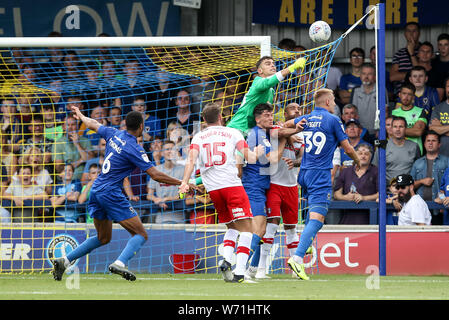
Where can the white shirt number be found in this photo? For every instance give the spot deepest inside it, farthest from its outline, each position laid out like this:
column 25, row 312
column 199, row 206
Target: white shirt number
column 107, row 164
column 317, row 139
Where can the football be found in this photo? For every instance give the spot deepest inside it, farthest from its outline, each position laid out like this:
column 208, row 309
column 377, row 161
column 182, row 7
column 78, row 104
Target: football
column 319, row 31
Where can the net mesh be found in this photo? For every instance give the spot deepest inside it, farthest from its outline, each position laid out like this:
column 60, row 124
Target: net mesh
column 49, row 160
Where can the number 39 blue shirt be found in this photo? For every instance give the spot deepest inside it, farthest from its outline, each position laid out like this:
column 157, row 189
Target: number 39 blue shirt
column 322, row 134
column 122, row 155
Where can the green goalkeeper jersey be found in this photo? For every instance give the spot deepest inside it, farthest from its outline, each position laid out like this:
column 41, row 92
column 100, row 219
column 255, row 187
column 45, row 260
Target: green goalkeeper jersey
column 412, row 116
column 261, row 91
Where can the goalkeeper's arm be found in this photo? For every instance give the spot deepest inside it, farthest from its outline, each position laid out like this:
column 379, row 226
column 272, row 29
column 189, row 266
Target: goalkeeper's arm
column 89, row 122
column 298, row 64
column 280, row 75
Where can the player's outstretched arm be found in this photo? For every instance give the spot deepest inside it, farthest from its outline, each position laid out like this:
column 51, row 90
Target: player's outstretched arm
column 299, row 126
column 252, row 156
column 298, row 64
column 162, row 177
column 90, row 123
column 188, row 170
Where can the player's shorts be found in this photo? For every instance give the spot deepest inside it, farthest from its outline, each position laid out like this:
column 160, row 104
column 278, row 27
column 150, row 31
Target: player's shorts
column 231, row 204
column 110, row 206
column 283, row 201
column 316, row 186
column 257, row 199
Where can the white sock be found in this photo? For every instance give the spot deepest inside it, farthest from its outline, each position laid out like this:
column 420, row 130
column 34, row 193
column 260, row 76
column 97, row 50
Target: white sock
column 243, row 252
column 229, row 240
column 291, row 240
column 119, row 263
column 66, row 262
column 298, row 259
column 268, row 239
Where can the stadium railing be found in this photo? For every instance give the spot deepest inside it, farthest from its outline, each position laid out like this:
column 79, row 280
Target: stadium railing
column 372, row 206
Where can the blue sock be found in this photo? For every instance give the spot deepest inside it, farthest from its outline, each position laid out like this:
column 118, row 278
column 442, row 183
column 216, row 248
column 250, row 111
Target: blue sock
column 85, row 247
column 256, row 257
column 254, row 245
column 131, row 248
column 307, row 236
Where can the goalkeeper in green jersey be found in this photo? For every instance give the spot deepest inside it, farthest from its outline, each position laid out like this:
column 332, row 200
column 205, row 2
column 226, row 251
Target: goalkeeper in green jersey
column 261, row 91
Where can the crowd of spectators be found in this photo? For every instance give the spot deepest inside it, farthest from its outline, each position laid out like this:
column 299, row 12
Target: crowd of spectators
column 47, row 156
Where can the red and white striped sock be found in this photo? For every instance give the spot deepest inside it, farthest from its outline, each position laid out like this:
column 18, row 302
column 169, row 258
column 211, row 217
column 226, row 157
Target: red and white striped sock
column 243, row 248
column 292, row 240
column 268, row 240
column 229, row 240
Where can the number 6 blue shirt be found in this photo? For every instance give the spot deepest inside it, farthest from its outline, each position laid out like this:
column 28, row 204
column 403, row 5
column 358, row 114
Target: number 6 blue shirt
column 122, row 155
column 322, row 134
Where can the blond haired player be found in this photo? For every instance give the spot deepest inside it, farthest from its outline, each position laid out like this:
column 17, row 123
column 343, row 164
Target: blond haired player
column 215, row 148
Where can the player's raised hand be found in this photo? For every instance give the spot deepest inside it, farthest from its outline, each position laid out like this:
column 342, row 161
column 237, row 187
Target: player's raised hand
column 301, row 125
column 298, row 64
column 76, row 112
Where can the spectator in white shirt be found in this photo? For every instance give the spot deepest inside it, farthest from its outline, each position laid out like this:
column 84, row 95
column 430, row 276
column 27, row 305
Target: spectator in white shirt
column 414, row 209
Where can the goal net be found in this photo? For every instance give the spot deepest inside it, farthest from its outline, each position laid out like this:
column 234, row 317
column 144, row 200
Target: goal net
column 49, row 160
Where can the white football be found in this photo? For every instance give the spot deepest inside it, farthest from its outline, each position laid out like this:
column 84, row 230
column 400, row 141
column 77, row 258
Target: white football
column 319, row 31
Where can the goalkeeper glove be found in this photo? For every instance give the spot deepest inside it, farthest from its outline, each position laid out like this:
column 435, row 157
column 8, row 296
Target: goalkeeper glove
column 299, row 64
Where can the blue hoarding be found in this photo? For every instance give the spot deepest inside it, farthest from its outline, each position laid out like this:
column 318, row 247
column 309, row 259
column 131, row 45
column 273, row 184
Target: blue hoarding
column 342, row 14
column 82, row 18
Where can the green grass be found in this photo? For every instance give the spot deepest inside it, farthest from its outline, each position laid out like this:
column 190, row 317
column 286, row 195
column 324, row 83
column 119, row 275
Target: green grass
column 212, row 287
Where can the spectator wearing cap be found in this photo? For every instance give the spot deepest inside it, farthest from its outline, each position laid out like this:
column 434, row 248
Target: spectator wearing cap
column 414, row 210
column 400, row 153
column 358, row 184
column 351, row 111
column 353, row 130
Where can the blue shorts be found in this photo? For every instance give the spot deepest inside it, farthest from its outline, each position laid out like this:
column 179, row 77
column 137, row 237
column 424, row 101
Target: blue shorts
column 110, row 206
column 257, row 200
column 316, row 186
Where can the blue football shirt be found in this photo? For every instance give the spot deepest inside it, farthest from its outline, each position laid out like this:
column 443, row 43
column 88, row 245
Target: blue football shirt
column 444, row 186
column 122, row 155
column 349, row 82
column 322, row 134
column 257, row 174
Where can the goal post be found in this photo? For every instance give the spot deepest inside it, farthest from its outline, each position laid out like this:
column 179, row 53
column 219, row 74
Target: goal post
column 380, row 88
column 208, row 69
column 94, row 42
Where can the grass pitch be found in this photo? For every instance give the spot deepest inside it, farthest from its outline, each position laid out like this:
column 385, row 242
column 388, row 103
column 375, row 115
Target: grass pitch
column 199, row 287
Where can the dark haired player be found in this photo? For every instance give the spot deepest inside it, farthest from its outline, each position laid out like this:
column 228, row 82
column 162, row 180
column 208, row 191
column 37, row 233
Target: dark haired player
column 107, row 203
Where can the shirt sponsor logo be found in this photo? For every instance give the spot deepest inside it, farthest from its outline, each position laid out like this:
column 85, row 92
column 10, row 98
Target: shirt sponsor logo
column 145, row 157
column 266, row 143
